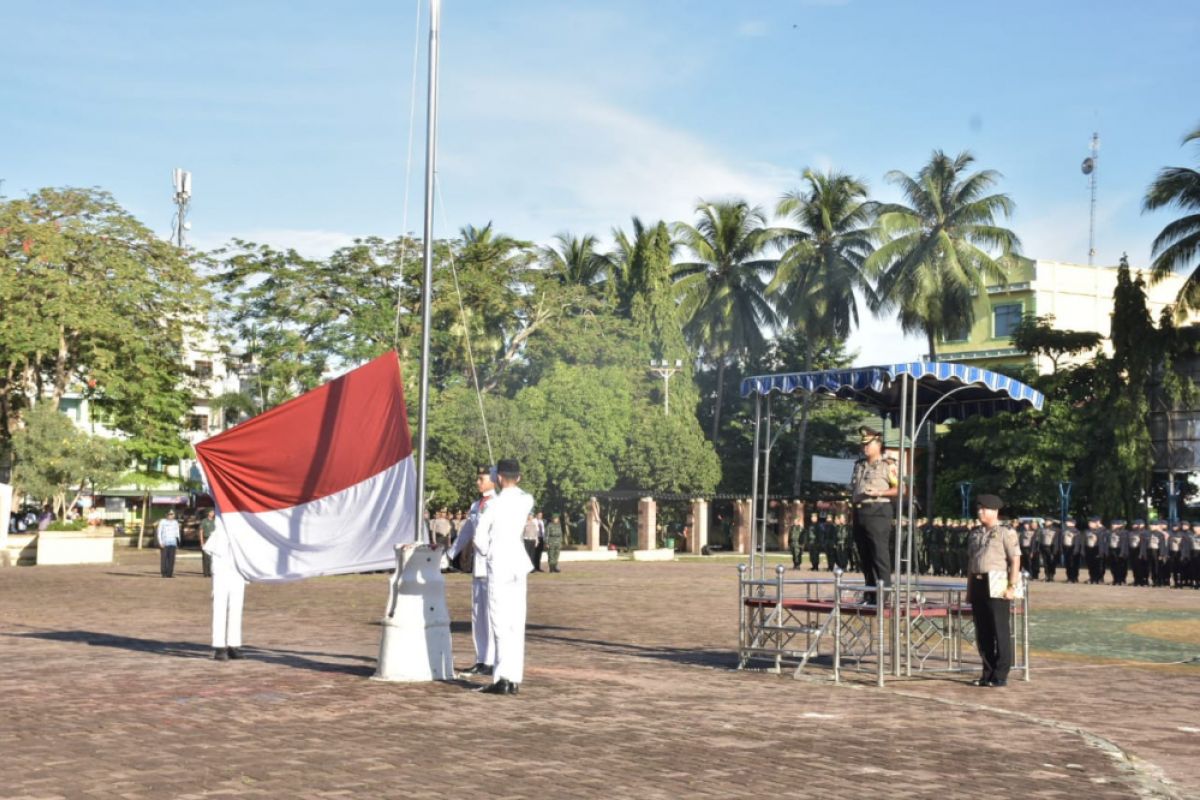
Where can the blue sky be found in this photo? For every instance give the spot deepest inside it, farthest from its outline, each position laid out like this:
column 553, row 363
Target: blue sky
column 294, row 116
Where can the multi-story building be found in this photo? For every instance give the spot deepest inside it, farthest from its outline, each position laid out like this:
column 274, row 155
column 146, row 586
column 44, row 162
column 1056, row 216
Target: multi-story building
column 1079, row 297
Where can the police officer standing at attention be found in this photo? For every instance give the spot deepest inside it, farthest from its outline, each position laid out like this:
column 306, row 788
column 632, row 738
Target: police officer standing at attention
column 1072, row 550
column 993, row 550
column 498, row 540
column 463, row 547
column 167, row 533
column 873, row 486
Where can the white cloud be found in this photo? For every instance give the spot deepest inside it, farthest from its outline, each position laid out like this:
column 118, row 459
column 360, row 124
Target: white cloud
column 308, row 243
column 752, row 28
column 554, row 159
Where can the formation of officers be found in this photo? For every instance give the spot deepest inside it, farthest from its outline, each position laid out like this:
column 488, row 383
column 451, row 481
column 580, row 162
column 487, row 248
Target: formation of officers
column 1120, row 553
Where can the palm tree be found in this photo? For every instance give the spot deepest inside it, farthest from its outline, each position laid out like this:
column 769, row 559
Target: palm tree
column 722, row 293
column 937, row 252
column 822, row 267
column 1178, row 245
column 575, row 260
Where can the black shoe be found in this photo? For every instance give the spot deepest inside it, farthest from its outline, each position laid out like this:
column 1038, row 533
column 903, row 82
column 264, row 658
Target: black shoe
column 999, row 683
column 502, row 686
column 477, row 669
column 235, row 653
column 220, row 654
column 982, row 682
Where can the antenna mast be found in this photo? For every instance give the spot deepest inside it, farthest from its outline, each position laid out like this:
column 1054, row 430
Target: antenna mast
column 1089, row 168
column 182, row 181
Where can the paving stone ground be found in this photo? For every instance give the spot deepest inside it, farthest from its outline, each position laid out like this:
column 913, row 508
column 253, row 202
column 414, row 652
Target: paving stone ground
column 108, row 691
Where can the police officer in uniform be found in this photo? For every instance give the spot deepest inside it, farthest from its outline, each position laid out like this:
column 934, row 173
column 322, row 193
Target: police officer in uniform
column 1117, row 552
column 1093, row 549
column 464, row 549
column 992, row 548
column 1175, row 549
column 1072, row 549
column 1156, row 548
column 1138, row 549
column 1048, row 544
column 873, row 486
column 1029, row 553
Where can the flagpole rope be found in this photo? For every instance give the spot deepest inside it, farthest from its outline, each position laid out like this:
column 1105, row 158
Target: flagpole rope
column 462, row 311
column 412, row 113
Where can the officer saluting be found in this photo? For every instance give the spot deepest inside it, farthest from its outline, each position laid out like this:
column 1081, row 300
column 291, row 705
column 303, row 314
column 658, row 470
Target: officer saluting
column 993, row 548
column 481, row 632
column 873, row 486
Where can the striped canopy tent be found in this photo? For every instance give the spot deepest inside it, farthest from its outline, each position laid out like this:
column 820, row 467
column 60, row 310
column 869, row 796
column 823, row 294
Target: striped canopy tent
column 948, row 391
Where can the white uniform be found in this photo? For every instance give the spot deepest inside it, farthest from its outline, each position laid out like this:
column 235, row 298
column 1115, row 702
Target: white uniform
column 485, row 651
column 228, row 592
column 498, row 540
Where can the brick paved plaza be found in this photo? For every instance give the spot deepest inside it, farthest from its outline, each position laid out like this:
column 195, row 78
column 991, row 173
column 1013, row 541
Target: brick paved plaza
column 108, row 691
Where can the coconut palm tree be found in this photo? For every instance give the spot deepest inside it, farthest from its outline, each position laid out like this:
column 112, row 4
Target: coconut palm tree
column 723, row 291
column 822, row 267
column 1177, row 247
column 939, row 250
column 574, row 259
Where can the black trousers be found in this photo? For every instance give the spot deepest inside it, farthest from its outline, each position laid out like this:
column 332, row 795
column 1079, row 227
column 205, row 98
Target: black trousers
column 1140, row 567
column 1095, row 564
column 166, row 561
column 872, row 533
column 1049, row 561
column 814, row 558
column 1119, row 567
column 538, row 549
column 206, row 564
column 1071, row 562
column 993, row 631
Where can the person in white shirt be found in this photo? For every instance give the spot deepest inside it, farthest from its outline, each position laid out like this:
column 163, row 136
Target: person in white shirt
column 167, row 533
column 498, row 540
column 485, row 652
column 228, row 596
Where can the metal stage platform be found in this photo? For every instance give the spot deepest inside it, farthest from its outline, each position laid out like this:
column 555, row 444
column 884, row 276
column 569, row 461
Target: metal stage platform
column 823, row 621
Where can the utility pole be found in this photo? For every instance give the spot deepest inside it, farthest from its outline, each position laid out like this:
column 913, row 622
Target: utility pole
column 664, row 370
column 182, row 181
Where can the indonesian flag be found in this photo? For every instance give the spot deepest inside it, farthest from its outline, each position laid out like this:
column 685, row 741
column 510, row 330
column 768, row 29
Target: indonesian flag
column 321, row 485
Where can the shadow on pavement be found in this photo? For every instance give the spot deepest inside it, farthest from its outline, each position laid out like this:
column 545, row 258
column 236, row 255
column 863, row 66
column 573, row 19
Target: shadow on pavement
column 298, row 659
column 714, row 659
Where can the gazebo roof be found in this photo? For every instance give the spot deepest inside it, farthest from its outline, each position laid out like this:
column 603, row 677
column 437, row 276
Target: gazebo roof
column 956, row 391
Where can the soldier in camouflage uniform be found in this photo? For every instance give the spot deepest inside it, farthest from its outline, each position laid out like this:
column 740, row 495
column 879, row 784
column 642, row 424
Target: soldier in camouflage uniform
column 796, row 542
column 554, row 542
column 814, row 545
column 828, row 537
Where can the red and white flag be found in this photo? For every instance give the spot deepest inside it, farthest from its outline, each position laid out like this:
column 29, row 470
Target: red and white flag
column 321, row 485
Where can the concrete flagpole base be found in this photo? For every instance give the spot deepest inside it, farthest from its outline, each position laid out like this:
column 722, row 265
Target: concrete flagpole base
column 416, row 629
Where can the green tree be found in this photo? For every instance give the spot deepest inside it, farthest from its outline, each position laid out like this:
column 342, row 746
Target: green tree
column 93, row 299
column 1177, row 246
column 939, row 250
column 575, row 259
column 54, row 458
column 668, row 454
column 723, row 291
column 1037, row 336
column 821, row 269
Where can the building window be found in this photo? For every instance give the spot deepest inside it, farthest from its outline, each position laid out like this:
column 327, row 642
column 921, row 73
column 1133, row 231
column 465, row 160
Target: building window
column 198, row 422
column 1005, row 319
column 960, row 335
column 202, row 370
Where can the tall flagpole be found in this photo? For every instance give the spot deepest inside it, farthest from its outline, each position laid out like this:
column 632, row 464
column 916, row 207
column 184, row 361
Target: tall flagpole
column 435, row 13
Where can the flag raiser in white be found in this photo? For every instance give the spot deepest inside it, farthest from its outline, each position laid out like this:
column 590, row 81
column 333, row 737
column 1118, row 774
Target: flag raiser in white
column 354, row 530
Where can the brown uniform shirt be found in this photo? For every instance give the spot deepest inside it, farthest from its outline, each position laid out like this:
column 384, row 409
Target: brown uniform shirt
column 991, row 549
column 877, row 477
